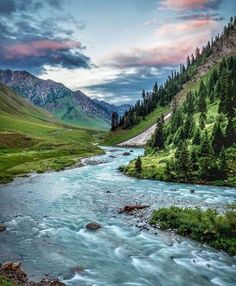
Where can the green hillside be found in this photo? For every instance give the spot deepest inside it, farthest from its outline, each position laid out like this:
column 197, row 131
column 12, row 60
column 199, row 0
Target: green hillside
column 33, row 140
column 198, row 144
column 174, row 90
column 113, row 138
column 72, row 114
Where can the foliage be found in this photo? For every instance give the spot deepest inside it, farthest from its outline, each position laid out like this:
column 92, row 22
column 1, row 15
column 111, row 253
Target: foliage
column 217, row 230
column 200, row 150
column 163, row 94
column 5, row 281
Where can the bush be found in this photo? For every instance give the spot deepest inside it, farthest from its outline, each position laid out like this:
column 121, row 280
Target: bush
column 217, row 230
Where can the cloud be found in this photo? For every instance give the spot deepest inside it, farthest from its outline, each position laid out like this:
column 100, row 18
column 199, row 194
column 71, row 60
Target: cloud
column 205, row 16
column 128, row 85
column 9, row 7
column 190, row 4
column 36, row 54
column 187, row 27
column 29, row 42
column 38, row 48
column 172, row 43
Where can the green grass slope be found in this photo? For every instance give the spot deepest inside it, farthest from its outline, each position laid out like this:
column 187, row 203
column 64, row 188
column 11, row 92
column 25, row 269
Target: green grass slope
column 154, row 163
column 32, row 140
column 73, row 115
column 121, row 135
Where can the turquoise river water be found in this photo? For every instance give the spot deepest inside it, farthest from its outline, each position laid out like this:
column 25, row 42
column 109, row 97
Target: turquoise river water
column 46, row 215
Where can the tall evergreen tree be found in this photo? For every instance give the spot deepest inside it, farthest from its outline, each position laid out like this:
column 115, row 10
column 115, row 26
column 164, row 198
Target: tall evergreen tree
column 183, row 160
column 158, row 136
column 230, row 134
column 223, row 166
column 114, row 121
column 205, row 147
column 138, row 164
column 217, row 138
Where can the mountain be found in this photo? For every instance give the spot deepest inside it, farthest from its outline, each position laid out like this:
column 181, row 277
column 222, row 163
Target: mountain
column 72, row 107
column 32, row 139
column 144, row 114
column 196, row 142
column 120, row 109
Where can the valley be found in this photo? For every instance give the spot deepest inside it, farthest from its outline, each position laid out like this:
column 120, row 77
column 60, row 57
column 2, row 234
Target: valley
column 141, row 192
column 32, row 140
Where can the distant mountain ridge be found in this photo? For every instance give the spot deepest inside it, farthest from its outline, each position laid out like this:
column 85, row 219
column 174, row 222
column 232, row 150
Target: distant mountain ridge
column 73, row 107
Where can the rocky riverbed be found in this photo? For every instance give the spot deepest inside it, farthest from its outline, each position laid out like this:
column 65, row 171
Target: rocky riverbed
column 46, row 216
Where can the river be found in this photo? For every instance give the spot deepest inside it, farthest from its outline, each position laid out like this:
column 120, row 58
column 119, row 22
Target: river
column 46, row 215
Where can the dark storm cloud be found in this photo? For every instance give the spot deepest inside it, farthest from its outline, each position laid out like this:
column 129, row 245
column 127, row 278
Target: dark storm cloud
column 29, row 42
column 7, row 7
column 55, row 58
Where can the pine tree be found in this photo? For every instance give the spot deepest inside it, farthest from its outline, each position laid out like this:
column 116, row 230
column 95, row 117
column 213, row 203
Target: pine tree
column 230, row 134
column 190, row 103
column 217, row 138
column 155, row 88
column 183, row 160
column 230, row 99
column 194, row 160
column 158, row 136
column 202, row 121
column 188, row 61
column 205, row 147
column 138, row 164
column 189, row 126
column 114, row 121
column 197, row 137
column 223, row 166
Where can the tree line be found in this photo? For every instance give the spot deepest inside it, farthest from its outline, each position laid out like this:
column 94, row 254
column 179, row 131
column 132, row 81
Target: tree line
column 199, row 147
column 163, row 94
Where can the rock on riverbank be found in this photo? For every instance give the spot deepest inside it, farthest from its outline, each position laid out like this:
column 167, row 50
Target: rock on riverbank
column 13, row 271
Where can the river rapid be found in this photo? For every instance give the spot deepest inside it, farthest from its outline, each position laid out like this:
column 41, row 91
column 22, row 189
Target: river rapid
column 46, row 215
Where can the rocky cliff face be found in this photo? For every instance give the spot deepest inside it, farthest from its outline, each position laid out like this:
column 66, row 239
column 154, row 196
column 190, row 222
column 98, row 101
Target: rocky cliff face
column 74, row 107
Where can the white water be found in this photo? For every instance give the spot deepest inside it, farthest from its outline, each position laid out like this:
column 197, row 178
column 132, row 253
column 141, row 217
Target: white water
column 46, row 216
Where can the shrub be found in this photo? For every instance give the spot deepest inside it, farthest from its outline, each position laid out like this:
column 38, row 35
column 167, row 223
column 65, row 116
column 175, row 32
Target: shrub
column 217, row 230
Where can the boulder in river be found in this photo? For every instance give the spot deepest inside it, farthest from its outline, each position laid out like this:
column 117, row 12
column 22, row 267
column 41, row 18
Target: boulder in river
column 126, row 154
column 130, row 208
column 2, row 227
column 93, row 226
column 14, row 272
column 192, row 191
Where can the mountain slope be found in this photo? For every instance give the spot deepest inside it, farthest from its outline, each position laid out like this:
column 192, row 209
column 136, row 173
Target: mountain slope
column 33, row 140
column 198, row 143
column 72, row 107
column 120, row 109
column 223, row 46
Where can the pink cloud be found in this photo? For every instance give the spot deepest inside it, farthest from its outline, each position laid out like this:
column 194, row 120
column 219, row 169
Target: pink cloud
column 190, row 4
column 173, row 42
column 195, row 26
column 38, row 48
column 159, row 55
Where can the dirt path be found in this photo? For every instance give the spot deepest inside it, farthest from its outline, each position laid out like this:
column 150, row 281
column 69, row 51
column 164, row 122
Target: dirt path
column 141, row 139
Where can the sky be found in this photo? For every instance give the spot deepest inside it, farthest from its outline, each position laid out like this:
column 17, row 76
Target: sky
column 109, row 49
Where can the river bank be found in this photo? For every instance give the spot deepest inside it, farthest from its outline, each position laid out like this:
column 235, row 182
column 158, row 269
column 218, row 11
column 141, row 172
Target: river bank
column 46, row 217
